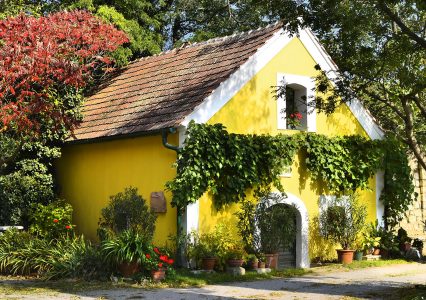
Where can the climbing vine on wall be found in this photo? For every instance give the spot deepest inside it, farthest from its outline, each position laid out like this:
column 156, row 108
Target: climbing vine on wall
column 228, row 165
column 345, row 163
column 398, row 192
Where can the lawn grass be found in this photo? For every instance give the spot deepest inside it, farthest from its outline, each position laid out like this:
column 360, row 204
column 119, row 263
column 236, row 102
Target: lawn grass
column 360, row 265
column 183, row 278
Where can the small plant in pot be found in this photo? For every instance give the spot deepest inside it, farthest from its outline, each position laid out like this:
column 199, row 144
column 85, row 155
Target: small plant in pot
column 341, row 222
column 371, row 243
column 235, row 256
column 262, row 260
column 252, row 261
column 203, row 250
column 359, row 252
column 157, row 262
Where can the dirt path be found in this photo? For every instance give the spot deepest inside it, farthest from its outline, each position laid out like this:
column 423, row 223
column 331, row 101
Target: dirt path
column 371, row 283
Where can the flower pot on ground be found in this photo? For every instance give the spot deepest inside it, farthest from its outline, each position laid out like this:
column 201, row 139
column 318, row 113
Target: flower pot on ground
column 376, row 251
column 125, row 250
column 372, row 238
column 158, row 275
column 235, row 256
column 345, row 256
column 208, row 263
column 129, row 269
column 261, row 265
column 358, row 255
column 252, row 262
column 341, row 222
column 271, row 260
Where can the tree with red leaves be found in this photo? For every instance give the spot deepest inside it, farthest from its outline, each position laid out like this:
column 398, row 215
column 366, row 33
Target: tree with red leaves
column 46, row 62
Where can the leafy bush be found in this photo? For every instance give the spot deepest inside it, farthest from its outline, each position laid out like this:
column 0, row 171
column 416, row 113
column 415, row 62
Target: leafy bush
column 127, row 210
column 343, row 220
column 51, row 221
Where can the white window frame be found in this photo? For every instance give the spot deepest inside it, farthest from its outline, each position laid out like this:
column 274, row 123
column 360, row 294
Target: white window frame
column 309, row 84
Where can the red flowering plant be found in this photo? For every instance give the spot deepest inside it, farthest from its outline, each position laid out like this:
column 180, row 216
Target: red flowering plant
column 157, row 258
column 294, row 120
column 52, row 221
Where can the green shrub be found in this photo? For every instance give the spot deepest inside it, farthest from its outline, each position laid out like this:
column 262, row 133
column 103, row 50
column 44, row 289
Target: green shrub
column 127, row 210
column 343, row 220
column 52, row 221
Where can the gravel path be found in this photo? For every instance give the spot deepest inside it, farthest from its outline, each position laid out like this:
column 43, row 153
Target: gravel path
column 370, row 283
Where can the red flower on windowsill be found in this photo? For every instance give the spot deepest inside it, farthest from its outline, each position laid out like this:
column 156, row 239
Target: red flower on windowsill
column 294, row 120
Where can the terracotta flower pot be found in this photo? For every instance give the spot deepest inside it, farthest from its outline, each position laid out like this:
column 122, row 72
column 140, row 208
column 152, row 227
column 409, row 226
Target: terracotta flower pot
column 345, row 256
column 253, row 264
column 261, row 265
column 376, row 251
column 207, row 263
column 234, row 263
column 128, row 269
column 271, row 260
column 158, row 275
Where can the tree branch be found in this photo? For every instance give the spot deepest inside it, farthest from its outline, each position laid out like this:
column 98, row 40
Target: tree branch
column 409, row 132
column 404, row 28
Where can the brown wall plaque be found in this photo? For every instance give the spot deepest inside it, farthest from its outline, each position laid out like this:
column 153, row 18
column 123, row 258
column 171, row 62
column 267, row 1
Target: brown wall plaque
column 158, row 202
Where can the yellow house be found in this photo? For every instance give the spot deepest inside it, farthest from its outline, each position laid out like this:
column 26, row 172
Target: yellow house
column 126, row 134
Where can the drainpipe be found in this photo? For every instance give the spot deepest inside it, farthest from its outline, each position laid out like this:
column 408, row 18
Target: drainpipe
column 180, row 255
column 164, row 134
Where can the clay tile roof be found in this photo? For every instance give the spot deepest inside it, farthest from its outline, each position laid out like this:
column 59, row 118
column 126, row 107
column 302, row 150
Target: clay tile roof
column 160, row 91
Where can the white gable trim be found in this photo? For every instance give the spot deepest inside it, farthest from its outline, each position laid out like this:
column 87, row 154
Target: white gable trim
column 323, row 59
column 227, row 89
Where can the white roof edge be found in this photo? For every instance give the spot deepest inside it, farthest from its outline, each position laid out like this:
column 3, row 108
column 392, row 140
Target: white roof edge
column 327, row 64
column 228, row 88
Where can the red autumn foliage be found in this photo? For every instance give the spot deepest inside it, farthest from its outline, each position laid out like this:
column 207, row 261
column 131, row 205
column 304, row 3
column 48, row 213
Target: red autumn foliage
column 42, row 58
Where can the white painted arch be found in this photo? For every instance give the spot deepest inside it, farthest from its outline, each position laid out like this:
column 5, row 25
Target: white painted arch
column 302, row 222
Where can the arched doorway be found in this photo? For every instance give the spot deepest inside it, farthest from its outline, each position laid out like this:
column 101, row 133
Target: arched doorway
column 302, row 225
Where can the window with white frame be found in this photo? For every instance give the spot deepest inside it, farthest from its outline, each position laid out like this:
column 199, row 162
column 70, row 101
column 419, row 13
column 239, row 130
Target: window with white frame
column 292, row 102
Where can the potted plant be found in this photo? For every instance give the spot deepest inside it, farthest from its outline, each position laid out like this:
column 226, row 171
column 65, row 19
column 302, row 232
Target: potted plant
column 371, row 243
column 235, row 256
column 252, row 261
column 203, row 249
column 157, row 262
column 262, row 261
column 358, row 250
column 341, row 222
column 125, row 250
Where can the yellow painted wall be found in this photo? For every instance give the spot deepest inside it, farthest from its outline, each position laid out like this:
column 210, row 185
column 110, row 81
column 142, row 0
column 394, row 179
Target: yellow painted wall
column 90, row 173
column 254, row 110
